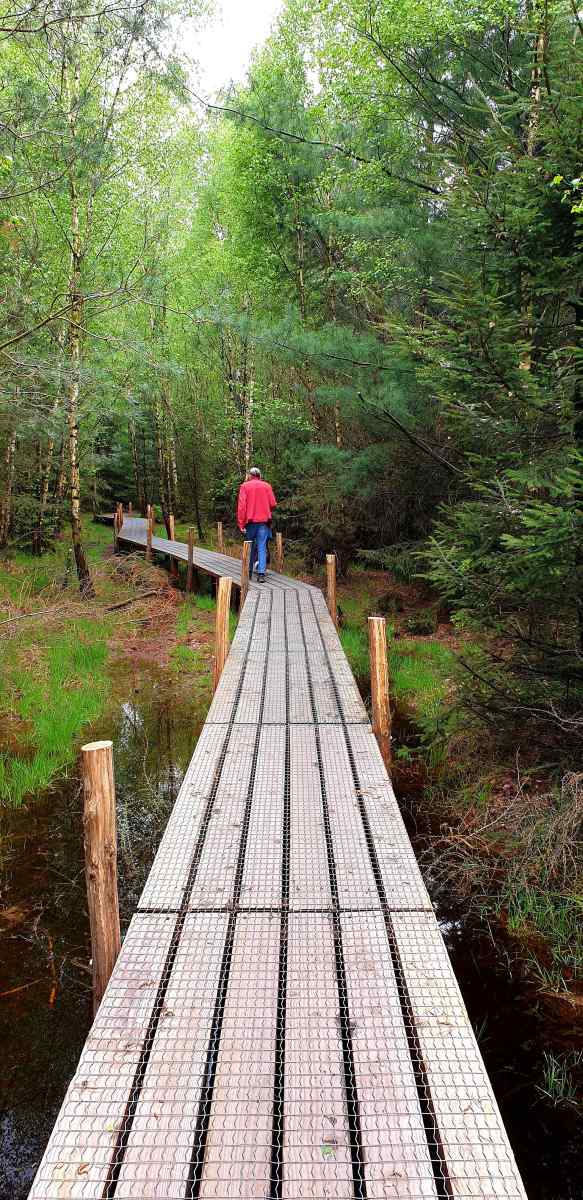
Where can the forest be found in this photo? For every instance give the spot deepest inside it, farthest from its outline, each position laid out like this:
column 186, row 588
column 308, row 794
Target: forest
column 362, row 270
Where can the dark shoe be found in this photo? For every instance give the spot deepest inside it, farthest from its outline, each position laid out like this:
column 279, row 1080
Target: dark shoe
column 261, row 578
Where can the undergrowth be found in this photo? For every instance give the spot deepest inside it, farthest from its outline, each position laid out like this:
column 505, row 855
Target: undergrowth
column 420, row 673
column 504, row 839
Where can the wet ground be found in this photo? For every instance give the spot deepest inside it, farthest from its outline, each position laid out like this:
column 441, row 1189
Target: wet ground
column 45, row 1001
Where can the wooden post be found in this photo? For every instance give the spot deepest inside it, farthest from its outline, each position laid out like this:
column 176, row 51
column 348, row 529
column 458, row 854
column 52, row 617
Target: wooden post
column 245, row 560
column 190, row 566
column 279, row 552
column 115, row 530
column 130, row 509
column 220, row 538
column 149, row 525
column 379, row 683
column 120, row 515
column 171, row 531
column 222, row 626
column 101, row 862
column 331, row 587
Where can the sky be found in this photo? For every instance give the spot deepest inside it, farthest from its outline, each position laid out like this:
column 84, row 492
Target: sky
column 224, row 47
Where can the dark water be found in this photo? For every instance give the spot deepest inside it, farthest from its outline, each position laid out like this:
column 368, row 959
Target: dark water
column 45, row 944
column 44, row 931
column 515, row 1025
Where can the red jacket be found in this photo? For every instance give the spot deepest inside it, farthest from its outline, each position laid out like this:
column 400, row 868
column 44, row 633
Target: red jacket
column 256, row 500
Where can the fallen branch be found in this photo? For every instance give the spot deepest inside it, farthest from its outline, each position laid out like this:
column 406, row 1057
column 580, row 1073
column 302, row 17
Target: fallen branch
column 132, row 600
column 22, row 988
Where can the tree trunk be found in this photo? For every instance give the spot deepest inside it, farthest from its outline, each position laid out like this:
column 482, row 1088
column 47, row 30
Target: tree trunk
column 196, row 499
column 138, row 478
column 61, row 479
column 74, row 347
column 532, row 137
column 6, row 499
column 145, row 475
column 160, row 459
column 249, row 402
column 45, row 480
column 173, row 480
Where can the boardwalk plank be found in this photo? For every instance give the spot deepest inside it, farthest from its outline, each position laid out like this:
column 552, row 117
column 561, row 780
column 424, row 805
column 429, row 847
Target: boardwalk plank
column 309, row 882
column 396, row 1155
column 164, row 887
column 356, row 881
column 400, row 874
column 213, row 886
column 261, row 882
column 238, row 1150
column 317, row 1158
column 160, row 1145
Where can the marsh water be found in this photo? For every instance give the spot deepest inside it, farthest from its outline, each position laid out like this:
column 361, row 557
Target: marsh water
column 45, row 1006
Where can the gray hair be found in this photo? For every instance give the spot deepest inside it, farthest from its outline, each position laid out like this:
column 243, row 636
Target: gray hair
column 255, row 471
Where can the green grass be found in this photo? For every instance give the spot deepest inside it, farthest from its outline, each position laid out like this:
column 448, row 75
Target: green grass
column 419, row 671
column 55, row 689
column 54, row 681
column 355, row 645
column 555, row 918
column 193, row 658
column 559, row 1085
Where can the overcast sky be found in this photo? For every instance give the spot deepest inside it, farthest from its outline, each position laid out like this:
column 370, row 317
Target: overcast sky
column 224, row 48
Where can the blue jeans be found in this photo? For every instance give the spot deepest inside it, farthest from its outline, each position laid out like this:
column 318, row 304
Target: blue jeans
column 259, row 534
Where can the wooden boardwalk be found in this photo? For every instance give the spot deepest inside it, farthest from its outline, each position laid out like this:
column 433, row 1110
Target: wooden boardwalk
column 283, row 1020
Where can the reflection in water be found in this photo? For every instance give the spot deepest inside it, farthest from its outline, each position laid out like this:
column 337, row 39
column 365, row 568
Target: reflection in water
column 45, row 1009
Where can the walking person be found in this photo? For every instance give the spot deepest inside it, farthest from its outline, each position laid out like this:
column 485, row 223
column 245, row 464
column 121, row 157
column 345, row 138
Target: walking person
column 254, row 508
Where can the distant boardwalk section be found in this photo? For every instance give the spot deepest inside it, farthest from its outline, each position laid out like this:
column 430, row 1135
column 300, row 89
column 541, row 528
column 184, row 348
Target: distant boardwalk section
column 283, row 1020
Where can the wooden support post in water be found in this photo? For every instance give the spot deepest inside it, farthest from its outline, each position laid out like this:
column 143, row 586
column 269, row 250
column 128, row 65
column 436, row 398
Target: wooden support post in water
column 331, row 587
column 190, row 566
column 149, row 525
column 222, row 626
column 101, row 862
column 279, row 552
column 130, row 509
column 379, row 682
column 245, row 560
column 220, row 538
